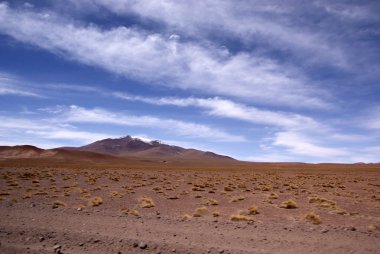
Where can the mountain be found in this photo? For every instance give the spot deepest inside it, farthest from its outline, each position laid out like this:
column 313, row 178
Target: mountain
column 32, row 152
column 120, row 150
column 129, row 146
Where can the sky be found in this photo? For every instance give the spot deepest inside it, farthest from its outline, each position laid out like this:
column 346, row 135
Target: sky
column 257, row 80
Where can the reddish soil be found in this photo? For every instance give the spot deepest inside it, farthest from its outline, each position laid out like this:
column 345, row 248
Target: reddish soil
column 39, row 205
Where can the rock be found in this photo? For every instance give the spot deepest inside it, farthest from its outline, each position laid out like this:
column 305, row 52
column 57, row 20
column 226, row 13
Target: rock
column 143, row 245
column 221, row 251
column 324, row 230
column 54, row 206
column 79, row 209
column 135, row 245
column 32, row 205
column 352, row 228
column 96, row 241
column 41, row 238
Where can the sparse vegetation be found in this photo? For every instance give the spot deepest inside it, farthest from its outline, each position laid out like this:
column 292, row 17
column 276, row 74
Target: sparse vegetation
column 240, row 217
column 313, row 218
column 201, row 211
column 289, row 204
column 146, row 202
column 96, row 201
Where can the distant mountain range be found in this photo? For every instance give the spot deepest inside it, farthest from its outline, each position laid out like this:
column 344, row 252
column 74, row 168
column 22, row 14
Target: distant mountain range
column 113, row 149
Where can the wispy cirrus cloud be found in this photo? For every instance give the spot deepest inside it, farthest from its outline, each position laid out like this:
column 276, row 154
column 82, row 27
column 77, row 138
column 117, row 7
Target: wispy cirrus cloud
column 44, row 132
column 75, row 114
column 306, row 30
column 61, row 123
column 164, row 60
column 229, row 109
column 9, row 85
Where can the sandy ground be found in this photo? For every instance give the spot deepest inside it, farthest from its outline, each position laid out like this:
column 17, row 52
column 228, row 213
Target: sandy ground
column 189, row 211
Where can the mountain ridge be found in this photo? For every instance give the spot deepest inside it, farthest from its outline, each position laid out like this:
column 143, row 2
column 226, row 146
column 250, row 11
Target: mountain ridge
column 113, row 149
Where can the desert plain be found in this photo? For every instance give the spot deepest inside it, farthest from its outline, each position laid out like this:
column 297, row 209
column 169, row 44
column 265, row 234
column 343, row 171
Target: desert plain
column 156, row 207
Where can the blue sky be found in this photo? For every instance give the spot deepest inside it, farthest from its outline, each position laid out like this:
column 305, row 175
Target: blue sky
column 257, row 80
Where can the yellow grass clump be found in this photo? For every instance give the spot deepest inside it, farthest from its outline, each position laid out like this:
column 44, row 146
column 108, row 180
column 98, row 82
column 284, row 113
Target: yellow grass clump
column 58, row 203
column 215, row 214
column 130, row 211
column 240, row 217
column 313, row 218
column 237, row 199
column 146, row 202
column 212, row 202
column 228, row 188
column 96, row 201
column 201, row 211
column 288, row 204
column 322, row 202
column 252, row 210
column 185, row 216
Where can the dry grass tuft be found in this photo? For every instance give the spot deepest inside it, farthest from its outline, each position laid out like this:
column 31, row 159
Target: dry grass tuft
column 146, row 202
column 322, row 202
column 313, row 218
column 58, row 203
column 96, row 201
column 237, row 199
column 201, row 211
column 185, row 216
column 240, row 217
column 288, row 204
column 253, row 210
column 212, row 202
column 130, row 211
column 215, row 214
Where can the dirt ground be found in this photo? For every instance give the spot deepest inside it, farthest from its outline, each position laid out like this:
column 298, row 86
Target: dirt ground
column 50, row 210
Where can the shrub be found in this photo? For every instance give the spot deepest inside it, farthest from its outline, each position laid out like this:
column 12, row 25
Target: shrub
column 96, row 201
column 313, row 218
column 252, row 210
column 289, row 204
column 58, row 203
column 201, row 211
column 146, row 202
column 240, row 217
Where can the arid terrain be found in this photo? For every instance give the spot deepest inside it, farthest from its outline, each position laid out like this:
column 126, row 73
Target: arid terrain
column 130, row 196
column 255, row 208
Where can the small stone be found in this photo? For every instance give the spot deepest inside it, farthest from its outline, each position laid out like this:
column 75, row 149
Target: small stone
column 143, row 245
column 54, row 206
column 221, row 251
column 324, row 230
column 96, row 241
column 352, row 228
column 41, row 238
column 32, row 205
column 135, row 245
column 57, row 246
column 79, row 209
column 81, row 244
column 174, row 250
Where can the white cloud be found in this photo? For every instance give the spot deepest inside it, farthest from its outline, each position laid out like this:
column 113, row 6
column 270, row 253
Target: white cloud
column 229, row 109
column 11, row 86
column 299, row 144
column 77, row 114
column 157, row 59
column 15, row 130
column 271, row 23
